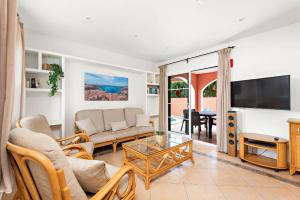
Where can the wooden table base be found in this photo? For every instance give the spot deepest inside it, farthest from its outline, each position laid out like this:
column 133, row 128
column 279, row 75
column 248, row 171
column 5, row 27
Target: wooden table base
column 150, row 166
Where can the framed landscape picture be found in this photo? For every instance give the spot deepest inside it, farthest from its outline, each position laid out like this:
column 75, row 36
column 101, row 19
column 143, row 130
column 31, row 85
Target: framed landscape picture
column 100, row 87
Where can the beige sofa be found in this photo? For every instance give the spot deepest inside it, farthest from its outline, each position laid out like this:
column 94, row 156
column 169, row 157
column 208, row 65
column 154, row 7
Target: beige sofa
column 102, row 119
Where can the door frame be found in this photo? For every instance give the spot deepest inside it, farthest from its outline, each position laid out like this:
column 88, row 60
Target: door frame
column 189, row 72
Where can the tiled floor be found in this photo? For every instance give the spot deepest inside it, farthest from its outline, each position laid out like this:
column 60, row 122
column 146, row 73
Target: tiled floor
column 211, row 178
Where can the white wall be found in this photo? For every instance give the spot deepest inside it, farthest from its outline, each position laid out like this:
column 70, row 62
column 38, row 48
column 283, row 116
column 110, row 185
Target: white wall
column 272, row 53
column 74, row 77
column 74, row 73
column 43, row 42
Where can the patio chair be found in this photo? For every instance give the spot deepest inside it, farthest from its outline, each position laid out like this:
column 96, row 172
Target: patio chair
column 198, row 121
column 42, row 171
column 77, row 145
column 186, row 119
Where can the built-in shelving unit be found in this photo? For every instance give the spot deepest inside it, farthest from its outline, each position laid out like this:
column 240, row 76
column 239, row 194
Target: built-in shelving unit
column 38, row 100
column 153, row 96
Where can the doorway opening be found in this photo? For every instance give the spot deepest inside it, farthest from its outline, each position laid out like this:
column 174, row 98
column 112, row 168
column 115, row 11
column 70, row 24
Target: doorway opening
column 204, row 105
column 178, row 103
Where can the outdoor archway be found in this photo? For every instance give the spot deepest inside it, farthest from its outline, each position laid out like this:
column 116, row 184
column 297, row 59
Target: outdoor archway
column 209, row 97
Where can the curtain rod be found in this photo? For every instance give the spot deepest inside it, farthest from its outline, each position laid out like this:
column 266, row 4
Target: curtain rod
column 189, row 58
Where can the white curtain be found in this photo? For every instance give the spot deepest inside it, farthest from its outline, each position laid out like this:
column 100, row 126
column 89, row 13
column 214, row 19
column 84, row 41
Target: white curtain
column 223, row 98
column 12, row 86
column 162, row 98
column 8, row 27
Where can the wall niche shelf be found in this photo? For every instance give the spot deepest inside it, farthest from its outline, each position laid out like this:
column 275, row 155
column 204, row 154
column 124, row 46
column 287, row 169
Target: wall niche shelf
column 38, row 100
column 152, row 87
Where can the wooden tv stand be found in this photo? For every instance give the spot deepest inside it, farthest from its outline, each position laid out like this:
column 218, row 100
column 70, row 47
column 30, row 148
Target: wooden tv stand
column 265, row 143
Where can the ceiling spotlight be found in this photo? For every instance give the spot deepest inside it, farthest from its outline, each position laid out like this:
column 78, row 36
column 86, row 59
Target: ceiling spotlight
column 241, row 19
column 88, row 18
column 200, row 2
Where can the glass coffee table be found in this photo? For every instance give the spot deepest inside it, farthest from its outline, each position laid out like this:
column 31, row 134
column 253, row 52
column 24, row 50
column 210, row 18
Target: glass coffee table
column 153, row 156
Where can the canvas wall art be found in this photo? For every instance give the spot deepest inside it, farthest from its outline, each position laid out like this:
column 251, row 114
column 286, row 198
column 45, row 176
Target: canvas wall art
column 100, row 87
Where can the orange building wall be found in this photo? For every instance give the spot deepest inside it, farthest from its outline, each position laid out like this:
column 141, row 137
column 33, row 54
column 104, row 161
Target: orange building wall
column 199, row 81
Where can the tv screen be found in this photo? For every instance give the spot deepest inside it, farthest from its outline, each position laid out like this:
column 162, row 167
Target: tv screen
column 268, row 93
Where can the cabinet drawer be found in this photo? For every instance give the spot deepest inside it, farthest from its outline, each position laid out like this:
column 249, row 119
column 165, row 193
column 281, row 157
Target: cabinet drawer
column 295, row 129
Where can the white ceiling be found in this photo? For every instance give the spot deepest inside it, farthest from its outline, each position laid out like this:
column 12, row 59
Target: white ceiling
column 155, row 30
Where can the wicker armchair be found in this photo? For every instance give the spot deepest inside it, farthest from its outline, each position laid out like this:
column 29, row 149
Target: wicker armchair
column 26, row 161
column 78, row 145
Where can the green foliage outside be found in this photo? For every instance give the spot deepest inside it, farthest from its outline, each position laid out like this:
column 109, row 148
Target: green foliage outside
column 210, row 90
column 182, row 92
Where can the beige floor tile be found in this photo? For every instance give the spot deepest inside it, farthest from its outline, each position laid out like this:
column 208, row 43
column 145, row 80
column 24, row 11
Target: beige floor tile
column 257, row 180
column 169, row 177
column 211, row 179
column 275, row 193
column 203, row 192
column 227, row 178
column 168, row 191
column 141, row 192
column 240, row 193
column 198, row 178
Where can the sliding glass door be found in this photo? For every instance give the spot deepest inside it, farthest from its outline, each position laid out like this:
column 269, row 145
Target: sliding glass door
column 178, row 103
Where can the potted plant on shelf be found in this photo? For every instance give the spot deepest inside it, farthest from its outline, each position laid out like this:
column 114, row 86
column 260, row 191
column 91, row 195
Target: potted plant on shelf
column 160, row 137
column 55, row 75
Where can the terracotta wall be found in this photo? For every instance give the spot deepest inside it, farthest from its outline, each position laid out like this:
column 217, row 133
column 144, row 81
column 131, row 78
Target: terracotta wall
column 178, row 105
column 210, row 103
column 199, row 81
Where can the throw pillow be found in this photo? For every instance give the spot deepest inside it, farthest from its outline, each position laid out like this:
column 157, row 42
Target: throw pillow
column 142, row 120
column 92, row 175
column 115, row 126
column 86, row 125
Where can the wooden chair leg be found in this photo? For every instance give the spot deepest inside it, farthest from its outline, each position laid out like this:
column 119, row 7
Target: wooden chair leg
column 115, row 147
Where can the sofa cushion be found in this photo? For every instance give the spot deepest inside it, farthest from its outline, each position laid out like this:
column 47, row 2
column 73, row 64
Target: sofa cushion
column 142, row 130
column 102, row 137
column 37, row 123
column 123, row 133
column 115, row 126
column 142, row 120
column 130, row 115
column 47, row 146
column 112, row 115
column 91, row 174
column 95, row 115
column 86, row 125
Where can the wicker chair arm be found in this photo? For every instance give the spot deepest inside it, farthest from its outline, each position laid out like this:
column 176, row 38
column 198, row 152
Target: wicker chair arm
column 112, row 188
column 82, row 153
column 75, row 138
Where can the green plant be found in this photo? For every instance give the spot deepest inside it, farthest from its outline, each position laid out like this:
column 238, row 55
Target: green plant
column 55, row 75
column 159, row 132
column 210, row 90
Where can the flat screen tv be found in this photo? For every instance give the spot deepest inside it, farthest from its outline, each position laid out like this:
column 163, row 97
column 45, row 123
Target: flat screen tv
column 267, row 93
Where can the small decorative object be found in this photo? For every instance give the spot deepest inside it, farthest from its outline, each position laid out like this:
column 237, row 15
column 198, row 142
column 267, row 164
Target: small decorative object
column 55, row 75
column 46, row 66
column 33, row 83
column 99, row 87
column 28, row 83
column 160, row 137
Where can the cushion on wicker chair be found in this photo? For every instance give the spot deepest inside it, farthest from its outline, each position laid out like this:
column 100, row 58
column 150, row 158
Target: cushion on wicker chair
column 47, row 146
column 92, row 175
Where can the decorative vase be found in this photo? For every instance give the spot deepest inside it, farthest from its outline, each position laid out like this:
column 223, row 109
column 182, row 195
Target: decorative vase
column 161, row 140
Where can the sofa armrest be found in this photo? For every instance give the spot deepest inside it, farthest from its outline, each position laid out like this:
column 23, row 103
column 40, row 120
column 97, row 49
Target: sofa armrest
column 112, row 189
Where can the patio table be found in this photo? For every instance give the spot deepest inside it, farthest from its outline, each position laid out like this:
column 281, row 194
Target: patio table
column 209, row 116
